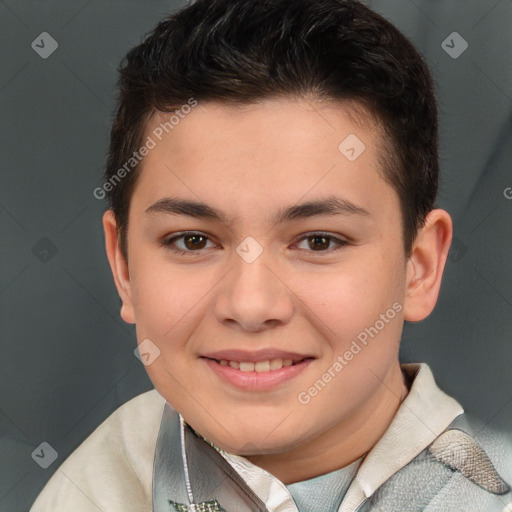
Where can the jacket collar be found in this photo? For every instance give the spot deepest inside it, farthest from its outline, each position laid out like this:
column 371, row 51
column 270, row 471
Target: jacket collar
column 240, row 485
column 210, row 476
column 425, row 413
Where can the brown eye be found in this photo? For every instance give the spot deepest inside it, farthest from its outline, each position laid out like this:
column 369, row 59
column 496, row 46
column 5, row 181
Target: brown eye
column 192, row 243
column 320, row 242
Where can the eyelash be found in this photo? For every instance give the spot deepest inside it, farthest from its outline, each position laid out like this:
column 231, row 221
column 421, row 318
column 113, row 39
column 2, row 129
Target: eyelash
column 168, row 243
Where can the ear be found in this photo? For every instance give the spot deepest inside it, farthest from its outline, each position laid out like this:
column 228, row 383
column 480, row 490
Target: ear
column 119, row 266
column 426, row 264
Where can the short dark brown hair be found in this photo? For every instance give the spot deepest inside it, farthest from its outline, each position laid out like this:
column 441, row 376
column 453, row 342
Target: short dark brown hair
column 242, row 51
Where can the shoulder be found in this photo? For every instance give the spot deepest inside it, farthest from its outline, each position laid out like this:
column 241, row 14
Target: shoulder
column 494, row 441
column 467, row 467
column 479, row 457
column 113, row 467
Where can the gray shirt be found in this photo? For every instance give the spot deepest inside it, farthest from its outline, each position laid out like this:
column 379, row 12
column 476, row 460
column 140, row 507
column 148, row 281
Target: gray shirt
column 324, row 493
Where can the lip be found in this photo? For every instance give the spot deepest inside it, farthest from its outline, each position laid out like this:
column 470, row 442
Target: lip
column 256, row 355
column 257, row 381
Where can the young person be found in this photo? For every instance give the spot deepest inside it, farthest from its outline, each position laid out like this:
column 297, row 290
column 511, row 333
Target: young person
column 272, row 178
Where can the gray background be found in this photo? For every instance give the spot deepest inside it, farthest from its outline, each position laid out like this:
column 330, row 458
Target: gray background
column 67, row 357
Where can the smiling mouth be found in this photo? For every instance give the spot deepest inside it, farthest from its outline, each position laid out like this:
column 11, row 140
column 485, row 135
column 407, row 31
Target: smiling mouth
column 268, row 365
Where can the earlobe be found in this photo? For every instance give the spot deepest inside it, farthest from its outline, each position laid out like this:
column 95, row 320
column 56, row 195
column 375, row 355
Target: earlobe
column 426, row 265
column 119, row 266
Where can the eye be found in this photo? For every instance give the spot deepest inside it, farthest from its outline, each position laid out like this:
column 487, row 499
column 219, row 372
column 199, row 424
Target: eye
column 321, row 241
column 193, row 243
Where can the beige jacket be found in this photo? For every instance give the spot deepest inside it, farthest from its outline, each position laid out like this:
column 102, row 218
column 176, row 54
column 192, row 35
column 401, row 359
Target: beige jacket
column 112, row 470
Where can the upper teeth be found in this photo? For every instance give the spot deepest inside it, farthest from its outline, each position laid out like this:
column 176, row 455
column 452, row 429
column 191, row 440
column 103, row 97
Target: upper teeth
column 260, row 366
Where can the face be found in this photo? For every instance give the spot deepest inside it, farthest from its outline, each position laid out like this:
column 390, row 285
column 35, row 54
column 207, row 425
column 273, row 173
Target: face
column 255, row 275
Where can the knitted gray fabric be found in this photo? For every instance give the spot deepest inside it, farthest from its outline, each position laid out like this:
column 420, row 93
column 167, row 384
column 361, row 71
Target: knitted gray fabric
column 454, row 475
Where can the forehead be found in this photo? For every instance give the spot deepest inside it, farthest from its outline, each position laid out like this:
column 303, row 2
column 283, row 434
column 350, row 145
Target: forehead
column 254, row 156
column 269, row 124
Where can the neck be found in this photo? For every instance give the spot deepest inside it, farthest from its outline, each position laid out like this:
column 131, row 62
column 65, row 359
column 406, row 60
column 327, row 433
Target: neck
column 345, row 442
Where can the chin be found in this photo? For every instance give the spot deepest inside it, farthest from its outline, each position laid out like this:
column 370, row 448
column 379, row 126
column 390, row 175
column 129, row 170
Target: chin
column 259, row 443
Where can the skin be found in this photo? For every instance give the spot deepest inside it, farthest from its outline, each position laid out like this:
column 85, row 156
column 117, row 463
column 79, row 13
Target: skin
column 249, row 162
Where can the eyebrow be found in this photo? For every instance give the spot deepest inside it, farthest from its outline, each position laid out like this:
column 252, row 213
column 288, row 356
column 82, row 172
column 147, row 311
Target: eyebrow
column 329, row 206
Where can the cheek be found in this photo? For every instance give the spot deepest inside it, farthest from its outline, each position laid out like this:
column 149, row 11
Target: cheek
column 163, row 294
column 167, row 305
column 351, row 297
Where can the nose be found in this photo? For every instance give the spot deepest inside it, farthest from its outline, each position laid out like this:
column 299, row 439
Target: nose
column 254, row 296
